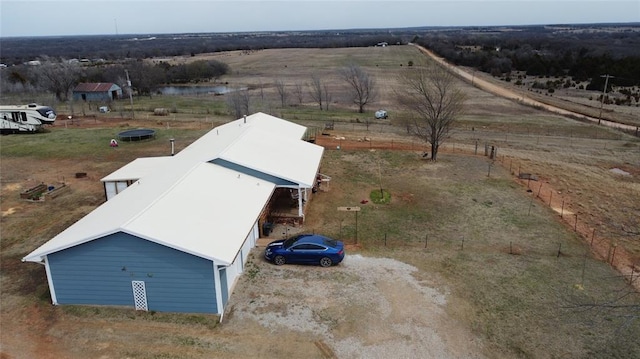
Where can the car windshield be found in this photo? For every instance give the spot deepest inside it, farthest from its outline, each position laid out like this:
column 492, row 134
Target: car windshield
column 291, row 241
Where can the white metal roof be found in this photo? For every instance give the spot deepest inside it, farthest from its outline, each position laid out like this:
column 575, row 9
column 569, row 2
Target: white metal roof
column 136, row 169
column 290, row 159
column 198, row 207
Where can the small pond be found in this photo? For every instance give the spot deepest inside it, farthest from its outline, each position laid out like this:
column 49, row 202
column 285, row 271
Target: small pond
column 194, row 90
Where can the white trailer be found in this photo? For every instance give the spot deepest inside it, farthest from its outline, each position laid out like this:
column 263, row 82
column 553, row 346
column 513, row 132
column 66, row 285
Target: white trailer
column 25, row 118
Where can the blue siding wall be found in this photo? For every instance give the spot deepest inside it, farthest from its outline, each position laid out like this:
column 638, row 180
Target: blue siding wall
column 100, row 273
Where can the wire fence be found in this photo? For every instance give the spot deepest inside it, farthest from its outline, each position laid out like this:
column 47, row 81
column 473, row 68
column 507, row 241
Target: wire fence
column 541, row 193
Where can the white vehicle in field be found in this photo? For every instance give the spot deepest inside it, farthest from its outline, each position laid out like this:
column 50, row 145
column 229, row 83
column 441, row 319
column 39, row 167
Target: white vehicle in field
column 25, row 118
column 381, row 114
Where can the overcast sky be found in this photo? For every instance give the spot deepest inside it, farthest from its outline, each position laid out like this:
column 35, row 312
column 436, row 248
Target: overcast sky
column 91, row 17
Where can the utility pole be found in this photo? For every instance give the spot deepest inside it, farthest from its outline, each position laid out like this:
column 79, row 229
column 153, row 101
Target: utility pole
column 130, row 93
column 604, row 91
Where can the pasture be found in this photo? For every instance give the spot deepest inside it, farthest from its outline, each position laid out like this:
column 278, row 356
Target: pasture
column 520, row 262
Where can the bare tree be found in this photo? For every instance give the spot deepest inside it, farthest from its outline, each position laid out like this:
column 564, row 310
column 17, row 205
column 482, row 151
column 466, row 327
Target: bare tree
column 298, row 93
column 57, row 77
column 614, row 314
column 327, row 97
column 144, row 78
column 361, row 85
column 432, row 95
column 261, row 86
column 317, row 90
column 282, row 92
column 238, row 102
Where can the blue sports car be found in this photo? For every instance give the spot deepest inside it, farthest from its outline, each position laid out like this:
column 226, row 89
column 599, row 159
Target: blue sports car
column 306, row 249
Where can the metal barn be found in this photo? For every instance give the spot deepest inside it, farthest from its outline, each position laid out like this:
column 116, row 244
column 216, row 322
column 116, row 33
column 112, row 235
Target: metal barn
column 97, row 92
column 178, row 237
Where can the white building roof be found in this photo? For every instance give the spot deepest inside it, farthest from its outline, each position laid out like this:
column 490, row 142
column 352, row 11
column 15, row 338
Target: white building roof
column 187, row 203
column 136, row 169
column 287, row 158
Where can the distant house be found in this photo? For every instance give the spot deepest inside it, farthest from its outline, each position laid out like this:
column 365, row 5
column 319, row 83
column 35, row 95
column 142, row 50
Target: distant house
column 97, row 91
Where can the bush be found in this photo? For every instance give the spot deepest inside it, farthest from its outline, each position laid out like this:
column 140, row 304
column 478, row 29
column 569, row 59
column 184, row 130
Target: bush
column 380, row 196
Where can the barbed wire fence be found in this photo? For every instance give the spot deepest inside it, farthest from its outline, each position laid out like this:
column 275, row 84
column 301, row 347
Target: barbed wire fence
column 541, row 193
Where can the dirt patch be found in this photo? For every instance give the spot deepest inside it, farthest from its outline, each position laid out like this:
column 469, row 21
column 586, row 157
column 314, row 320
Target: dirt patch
column 365, row 307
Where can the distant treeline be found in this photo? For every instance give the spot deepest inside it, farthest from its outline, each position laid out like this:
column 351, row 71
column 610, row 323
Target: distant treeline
column 117, row 47
column 582, row 54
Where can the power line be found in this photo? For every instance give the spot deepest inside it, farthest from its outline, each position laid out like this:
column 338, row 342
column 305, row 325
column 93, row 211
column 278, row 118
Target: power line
column 604, row 91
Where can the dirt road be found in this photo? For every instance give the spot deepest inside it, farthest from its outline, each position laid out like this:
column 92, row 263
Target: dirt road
column 513, row 95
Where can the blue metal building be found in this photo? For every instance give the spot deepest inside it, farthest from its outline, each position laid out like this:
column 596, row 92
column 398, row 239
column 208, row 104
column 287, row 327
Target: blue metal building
column 178, row 237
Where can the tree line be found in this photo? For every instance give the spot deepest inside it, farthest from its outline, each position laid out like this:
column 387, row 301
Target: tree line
column 17, row 51
column 60, row 76
column 579, row 52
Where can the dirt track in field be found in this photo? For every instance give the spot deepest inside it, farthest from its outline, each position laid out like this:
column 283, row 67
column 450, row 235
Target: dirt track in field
column 519, row 97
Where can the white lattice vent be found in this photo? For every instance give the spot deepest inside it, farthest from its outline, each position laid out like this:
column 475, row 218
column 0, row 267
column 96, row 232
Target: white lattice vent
column 139, row 295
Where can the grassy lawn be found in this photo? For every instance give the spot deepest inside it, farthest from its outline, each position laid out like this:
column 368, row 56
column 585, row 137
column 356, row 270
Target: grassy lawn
column 517, row 275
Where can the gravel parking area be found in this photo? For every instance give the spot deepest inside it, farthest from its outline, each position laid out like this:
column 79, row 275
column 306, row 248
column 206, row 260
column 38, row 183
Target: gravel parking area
column 364, row 307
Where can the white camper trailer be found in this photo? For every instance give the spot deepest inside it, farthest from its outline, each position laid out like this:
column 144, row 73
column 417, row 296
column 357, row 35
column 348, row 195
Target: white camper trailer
column 25, row 118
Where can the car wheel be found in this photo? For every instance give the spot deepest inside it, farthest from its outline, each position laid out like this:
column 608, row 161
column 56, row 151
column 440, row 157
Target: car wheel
column 279, row 260
column 326, row 262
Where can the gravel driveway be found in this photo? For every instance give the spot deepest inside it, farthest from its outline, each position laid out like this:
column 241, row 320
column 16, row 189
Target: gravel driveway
column 364, row 307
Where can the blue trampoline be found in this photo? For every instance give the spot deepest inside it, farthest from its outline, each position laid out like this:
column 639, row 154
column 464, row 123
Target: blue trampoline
column 137, row 135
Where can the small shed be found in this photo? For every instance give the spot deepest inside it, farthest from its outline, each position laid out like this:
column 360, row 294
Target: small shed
column 97, row 91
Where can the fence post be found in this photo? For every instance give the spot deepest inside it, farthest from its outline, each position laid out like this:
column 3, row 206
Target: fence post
column 426, row 240
column 613, row 255
column 593, row 236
